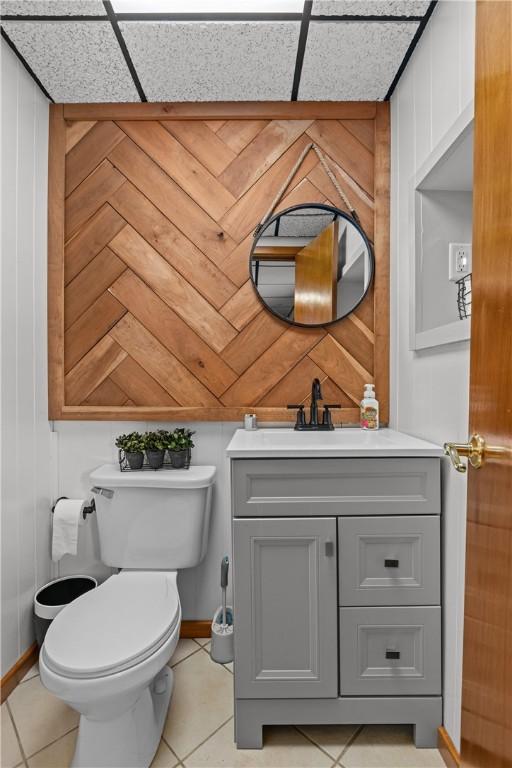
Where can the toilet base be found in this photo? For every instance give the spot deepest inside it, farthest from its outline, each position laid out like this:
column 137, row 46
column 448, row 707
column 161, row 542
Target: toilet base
column 131, row 739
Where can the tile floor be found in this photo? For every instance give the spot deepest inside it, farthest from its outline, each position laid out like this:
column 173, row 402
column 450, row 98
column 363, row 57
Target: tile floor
column 39, row 731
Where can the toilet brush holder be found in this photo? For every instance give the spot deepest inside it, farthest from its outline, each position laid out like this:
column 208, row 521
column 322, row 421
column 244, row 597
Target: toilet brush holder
column 222, row 641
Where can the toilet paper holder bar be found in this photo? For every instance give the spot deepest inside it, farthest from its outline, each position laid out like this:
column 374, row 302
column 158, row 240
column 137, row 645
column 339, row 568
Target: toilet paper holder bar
column 87, row 510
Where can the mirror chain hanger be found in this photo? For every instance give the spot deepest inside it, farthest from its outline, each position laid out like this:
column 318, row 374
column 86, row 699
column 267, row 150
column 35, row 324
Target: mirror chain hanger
column 290, row 176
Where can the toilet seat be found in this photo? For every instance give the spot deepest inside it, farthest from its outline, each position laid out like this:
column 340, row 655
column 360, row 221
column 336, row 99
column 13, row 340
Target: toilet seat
column 114, row 627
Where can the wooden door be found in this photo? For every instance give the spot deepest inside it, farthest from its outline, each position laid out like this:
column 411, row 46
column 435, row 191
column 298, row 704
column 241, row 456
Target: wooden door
column 316, row 278
column 286, row 639
column 487, row 666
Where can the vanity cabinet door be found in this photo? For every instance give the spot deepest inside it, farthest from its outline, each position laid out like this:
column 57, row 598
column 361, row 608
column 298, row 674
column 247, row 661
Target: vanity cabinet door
column 285, row 608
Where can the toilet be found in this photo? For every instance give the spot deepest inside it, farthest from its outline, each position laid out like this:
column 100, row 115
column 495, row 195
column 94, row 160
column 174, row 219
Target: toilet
column 106, row 653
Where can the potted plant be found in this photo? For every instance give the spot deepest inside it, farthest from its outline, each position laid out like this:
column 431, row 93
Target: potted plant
column 179, row 444
column 133, row 446
column 154, row 443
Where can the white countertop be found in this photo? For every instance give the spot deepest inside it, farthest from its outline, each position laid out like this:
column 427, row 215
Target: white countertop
column 344, row 442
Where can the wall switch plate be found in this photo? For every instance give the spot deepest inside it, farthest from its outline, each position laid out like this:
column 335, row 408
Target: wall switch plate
column 460, row 260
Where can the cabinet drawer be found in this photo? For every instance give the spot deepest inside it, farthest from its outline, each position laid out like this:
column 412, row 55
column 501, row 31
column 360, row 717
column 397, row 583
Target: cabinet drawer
column 390, row 651
column 389, row 560
column 296, row 487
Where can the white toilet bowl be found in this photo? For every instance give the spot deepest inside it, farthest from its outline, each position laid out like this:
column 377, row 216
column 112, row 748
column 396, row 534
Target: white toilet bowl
column 105, row 655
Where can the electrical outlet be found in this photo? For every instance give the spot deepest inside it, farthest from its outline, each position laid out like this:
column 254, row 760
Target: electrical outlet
column 459, row 262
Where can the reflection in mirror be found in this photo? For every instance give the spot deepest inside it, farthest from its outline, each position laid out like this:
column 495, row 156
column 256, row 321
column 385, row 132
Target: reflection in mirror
column 311, row 264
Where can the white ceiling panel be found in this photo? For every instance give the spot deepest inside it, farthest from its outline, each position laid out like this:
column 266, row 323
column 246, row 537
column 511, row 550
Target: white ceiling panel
column 214, row 61
column 75, row 60
column 353, row 61
column 53, row 8
column 370, row 7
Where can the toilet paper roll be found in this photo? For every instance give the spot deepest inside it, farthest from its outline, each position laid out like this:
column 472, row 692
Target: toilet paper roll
column 67, row 518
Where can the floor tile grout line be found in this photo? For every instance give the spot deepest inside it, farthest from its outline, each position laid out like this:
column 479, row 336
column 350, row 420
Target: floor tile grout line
column 172, row 666
column 349, row 743
column 16, row 732
column 51, row 743
column 186, row 757
column 162, row 737
column 312, row 741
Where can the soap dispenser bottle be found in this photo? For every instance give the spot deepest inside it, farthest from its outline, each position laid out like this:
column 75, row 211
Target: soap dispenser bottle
column 369, row 409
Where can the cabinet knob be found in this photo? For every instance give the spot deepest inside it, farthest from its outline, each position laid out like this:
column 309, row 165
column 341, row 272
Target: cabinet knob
column 391, row 563
column 329, row 548
column 391, row 654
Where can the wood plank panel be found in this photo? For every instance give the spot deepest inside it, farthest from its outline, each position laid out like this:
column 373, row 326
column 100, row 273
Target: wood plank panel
column 238, row 133
column 139, row 386
column 90, row 151
column 254, row 204
column 242, row 307
column 273, row 364
column 350, row 153
column 90, row 240
column 76, row 131
column 180, row 165
column 159, row 218
column 90, row 283
column 167, row 196
column 202, row 142
column 172, row 288
column 261, row 154
column 363, row 130
column 341, row 367
column 92, row 369
column 173, row 333
column 223, row 110
column 107, row 393
column 55, row 291
column 213, row 283
column 159, row 363
column 90, row 195
column 295, row 387
column 253, row 340
column 90, row 327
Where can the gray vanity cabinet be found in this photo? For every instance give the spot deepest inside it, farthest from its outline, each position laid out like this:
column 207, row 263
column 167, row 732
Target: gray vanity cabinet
column 286, row 624
column 337, row 597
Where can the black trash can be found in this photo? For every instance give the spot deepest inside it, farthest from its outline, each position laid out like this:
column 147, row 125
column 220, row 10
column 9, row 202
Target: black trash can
column 53, row 597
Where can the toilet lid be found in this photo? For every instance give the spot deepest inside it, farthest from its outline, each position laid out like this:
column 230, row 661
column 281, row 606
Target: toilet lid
column 113, row 627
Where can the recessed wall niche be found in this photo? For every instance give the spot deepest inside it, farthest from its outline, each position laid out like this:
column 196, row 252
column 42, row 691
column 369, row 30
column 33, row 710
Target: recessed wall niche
column 442, row 205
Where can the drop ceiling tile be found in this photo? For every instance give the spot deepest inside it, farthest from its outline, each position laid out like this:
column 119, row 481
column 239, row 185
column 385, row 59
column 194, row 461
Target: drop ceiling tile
column 353, row 60
column 75, row 60
column 370, row 7
column 214, row 61
column 53, row 8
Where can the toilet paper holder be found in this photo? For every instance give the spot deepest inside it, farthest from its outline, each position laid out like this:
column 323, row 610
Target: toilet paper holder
column 87, row 510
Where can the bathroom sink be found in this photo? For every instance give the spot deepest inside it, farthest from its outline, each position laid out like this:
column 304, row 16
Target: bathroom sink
column 345, row 442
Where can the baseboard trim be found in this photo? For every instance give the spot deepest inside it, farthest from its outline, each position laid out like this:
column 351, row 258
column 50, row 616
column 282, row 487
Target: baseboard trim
column 17, row 672
column 202, row 628
column 447, row 749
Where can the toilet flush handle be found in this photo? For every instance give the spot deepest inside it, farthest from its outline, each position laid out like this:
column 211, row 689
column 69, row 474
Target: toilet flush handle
column 107, row 492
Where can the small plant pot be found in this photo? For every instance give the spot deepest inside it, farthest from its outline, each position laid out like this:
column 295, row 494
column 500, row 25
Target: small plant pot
column 135, row 460
column 178, row 459
column 155, row 458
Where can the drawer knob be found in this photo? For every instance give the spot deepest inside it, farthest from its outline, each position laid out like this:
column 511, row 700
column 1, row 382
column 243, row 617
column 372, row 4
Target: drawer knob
column 391, row 563
column 329, row 548
column 390, row 654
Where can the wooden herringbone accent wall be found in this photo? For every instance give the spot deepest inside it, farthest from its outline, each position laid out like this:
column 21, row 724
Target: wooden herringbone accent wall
column 156, row 315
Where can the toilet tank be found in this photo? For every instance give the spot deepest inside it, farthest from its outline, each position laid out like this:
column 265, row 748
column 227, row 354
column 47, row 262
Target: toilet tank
column 153, row 519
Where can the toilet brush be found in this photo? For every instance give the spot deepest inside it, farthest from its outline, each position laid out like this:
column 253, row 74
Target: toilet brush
column 221, row 648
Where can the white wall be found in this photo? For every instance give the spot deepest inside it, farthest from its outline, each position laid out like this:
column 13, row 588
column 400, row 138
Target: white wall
column 25, row 441
column 83, row 445
column 429, row 389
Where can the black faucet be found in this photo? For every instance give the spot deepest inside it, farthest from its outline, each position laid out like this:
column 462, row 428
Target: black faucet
column 316, row 395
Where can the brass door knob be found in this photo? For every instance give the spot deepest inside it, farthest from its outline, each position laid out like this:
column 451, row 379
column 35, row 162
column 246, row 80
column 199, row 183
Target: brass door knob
column 476, row 451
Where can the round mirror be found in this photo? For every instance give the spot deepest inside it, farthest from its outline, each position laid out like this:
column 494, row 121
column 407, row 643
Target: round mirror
column 311, row 264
